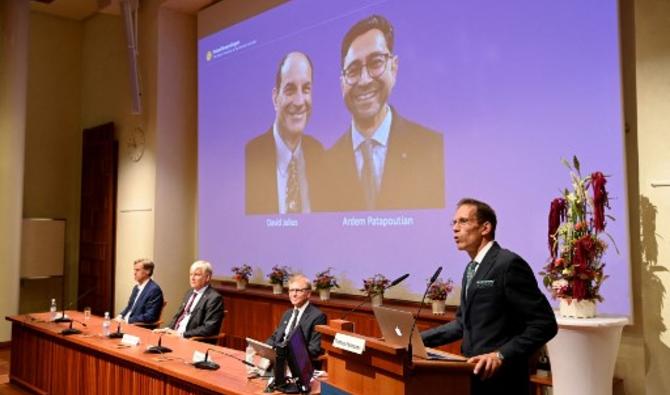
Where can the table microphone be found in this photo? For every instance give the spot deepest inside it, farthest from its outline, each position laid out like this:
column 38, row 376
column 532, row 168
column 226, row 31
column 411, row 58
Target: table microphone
column 71, row 330
column 118, row 334
column 211, row 365
column 393, row 283
column 411, row 332
column 63, row 317
column 158, row 348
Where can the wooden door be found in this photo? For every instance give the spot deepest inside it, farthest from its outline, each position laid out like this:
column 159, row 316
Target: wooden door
column 98, row 219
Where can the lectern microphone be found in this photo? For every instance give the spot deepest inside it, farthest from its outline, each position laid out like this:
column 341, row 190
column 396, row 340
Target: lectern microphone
column 411, row 332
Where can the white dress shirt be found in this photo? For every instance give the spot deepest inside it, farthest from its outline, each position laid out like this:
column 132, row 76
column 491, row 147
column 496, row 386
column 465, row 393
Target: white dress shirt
column 379, row 147
column 140, row 287
column 184, row 322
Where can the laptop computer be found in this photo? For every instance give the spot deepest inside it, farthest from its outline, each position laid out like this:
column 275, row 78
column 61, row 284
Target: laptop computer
column 263, row 349
column 395, row 326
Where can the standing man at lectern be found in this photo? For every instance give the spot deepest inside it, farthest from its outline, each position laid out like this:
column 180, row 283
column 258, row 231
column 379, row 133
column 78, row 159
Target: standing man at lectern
column 503, row 317
column 201, row 310
column 303, row 315
column 146, row 300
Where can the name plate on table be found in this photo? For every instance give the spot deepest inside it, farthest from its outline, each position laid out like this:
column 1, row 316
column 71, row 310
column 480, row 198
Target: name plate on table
column 352, row 344
column 198, row 356
column 130, row 340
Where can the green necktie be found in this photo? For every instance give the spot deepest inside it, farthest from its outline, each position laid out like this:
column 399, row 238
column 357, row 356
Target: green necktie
column 469, row 274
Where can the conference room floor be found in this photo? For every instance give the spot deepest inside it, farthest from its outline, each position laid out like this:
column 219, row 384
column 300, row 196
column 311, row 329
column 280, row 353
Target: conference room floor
column 5, row 387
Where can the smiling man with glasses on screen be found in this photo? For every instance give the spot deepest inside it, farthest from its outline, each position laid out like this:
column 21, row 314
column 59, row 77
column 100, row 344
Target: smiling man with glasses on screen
column 302, row 315
column 382, row 161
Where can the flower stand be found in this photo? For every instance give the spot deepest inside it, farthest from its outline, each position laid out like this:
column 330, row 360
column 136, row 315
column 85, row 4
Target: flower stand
column 377, row 299
column 324, row 294
column 569, row 307
column 583, row 354
column 277, row 289
column 439, row 306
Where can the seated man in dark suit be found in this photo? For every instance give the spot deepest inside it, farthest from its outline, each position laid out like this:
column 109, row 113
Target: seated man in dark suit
column 146, row 300
column 201, row 310
column 303, row 315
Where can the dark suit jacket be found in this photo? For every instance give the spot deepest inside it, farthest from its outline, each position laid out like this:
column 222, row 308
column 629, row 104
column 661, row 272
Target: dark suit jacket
column 149, row 305
column 504, row 310
column 206, row 316
column 413, row 170
column 261, row 173
column 310, row 318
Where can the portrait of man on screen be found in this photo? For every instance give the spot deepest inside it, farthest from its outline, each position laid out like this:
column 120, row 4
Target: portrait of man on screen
column 283, row 165
column 383, row 161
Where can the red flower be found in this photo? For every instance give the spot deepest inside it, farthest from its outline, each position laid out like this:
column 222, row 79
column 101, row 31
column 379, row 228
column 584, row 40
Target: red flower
column 584, row 251
column 579, row 289
column 600, row 200
column 557, row 213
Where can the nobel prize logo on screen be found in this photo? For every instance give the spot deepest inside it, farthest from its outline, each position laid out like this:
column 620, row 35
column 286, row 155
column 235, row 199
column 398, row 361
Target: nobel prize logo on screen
column 227, row 49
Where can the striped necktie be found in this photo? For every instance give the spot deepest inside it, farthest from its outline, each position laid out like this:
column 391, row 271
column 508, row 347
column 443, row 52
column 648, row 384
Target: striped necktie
column 293, row 199
column 368, row 176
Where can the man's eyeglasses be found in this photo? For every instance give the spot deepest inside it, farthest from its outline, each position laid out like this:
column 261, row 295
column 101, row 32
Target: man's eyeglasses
column 297, row 290
column 374, row 63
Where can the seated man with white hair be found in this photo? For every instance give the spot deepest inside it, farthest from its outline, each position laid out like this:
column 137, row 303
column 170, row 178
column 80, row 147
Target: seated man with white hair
column 302, row 315
column 201, row 310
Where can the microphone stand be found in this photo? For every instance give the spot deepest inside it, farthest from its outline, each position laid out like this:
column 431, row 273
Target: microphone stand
column 159, row 348
column 71, row 330
column 118, row 334
column 63, row 317
column 208, row 364
column 411, row 332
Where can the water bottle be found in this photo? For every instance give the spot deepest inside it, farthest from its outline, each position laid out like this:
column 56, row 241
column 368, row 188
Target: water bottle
column 105, row 324
column 52, row 309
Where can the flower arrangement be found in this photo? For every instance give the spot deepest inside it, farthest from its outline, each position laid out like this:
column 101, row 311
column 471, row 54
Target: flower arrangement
column 440, row 289
column 279, row 274
column 575, row 269
column 242, row 273
column 375, row 285
column 325, row 280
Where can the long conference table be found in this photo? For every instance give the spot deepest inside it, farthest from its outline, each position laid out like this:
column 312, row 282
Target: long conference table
column 46, row 362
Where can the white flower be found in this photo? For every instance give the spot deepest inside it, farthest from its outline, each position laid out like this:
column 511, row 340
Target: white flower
column 559, row 284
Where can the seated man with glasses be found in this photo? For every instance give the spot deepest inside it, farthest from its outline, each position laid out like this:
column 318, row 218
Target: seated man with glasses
column 303, row 315
column 383, row 161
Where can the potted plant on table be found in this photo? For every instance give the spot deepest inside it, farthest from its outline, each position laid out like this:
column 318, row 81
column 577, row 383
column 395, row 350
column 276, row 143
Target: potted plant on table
column 374, row 288
column 323, row 282
column 575, row 270
column 438, row 293
column 241, row 275
column 278, row 276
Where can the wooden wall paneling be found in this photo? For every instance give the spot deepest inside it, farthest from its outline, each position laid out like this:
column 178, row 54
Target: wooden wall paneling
column 31, row 368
